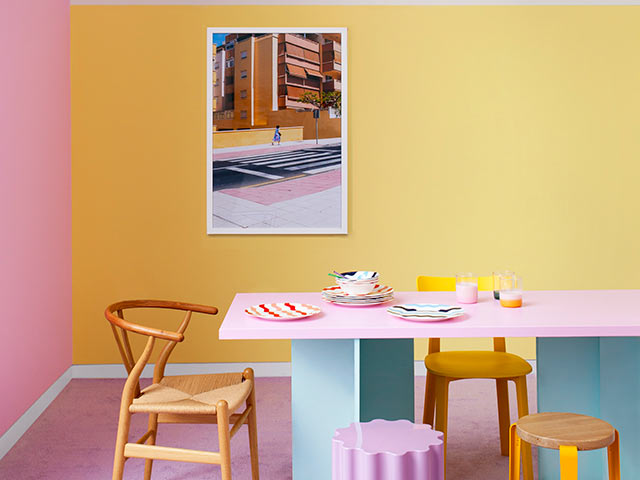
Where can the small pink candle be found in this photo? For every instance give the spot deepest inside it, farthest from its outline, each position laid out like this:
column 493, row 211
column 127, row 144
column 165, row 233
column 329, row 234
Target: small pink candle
column 467, row 292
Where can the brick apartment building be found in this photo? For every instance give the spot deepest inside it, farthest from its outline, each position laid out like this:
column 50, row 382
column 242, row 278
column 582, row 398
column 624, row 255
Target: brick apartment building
column 260, row 77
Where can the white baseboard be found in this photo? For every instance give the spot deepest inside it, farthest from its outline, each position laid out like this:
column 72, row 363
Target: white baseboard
column 11, row 436
column 117, row 370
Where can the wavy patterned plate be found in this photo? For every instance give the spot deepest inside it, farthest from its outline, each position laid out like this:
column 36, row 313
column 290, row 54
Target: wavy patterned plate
column 425, row 312
column 282, row 311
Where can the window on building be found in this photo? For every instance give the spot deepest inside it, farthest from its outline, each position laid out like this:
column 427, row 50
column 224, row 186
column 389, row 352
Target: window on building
column 243, row 94
column 243, row 54
column 243, row 114
column 216, row 66
column 243, row 74
column 230, row 63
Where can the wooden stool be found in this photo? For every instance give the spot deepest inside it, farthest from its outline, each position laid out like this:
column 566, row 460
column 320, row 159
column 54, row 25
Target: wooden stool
column 387, row 450
column 567, row 432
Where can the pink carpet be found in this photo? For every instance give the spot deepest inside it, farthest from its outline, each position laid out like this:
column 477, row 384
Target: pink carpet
column 74, row 437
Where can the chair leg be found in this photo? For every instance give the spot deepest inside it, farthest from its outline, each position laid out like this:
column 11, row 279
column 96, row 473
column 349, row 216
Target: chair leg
column 222, row 412
column 514, row 453
column 429, row 399
column 523, row 410
column 124, row 423
column 613, row 457
column 502, row 393
column 253, row 427
column 442, row 410
column 153, row 426
column 568, row 462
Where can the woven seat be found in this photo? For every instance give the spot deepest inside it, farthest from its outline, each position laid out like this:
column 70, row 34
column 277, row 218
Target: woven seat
column 193, row 394
column 484, row 364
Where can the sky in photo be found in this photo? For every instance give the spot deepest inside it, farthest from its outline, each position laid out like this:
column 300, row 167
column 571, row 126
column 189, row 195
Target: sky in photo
column 218, row 38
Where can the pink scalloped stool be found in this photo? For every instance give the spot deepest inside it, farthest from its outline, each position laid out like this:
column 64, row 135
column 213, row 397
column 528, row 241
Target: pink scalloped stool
column 387, row 450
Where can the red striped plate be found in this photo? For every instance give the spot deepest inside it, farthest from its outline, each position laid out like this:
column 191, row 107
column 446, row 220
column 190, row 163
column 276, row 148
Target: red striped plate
column 282, row 311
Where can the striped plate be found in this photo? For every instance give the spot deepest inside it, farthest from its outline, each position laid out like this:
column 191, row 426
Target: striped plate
column 282, row 311
column 421, row 312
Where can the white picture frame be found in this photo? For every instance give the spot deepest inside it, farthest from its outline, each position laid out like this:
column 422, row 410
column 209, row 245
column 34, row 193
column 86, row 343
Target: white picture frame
column 255, row 184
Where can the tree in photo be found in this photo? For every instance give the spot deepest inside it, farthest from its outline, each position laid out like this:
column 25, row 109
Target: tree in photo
column 322, row 101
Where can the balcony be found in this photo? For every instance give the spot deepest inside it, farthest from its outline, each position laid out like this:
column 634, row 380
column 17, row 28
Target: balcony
column 285, row 101
column 329, row 47
column 333, row 69
column 333, row 85
column 299, row 41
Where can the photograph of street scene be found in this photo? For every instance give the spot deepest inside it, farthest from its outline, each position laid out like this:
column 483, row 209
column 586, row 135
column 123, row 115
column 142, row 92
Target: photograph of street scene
column 276, row 154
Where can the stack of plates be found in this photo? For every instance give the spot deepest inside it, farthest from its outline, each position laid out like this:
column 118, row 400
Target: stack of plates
column 380, row 294
column 425, row 312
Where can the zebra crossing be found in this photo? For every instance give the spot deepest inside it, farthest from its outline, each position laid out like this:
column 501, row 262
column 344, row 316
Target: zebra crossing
column 308, row 159
column 276, row 165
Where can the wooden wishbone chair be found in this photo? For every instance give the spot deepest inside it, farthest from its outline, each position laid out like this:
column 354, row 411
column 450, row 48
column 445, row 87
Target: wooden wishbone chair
column 212, row 398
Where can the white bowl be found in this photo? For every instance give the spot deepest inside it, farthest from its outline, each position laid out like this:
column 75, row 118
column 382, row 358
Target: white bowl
column 359, row 273
column 359, row 287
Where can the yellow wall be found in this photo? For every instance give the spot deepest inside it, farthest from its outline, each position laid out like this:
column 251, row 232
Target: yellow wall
column 502, row 137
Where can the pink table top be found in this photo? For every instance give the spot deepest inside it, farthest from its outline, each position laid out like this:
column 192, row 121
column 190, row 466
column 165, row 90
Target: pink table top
column 576, row 313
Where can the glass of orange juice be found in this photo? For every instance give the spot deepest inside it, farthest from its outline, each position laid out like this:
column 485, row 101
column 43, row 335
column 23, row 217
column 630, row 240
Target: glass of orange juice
column 510, row 291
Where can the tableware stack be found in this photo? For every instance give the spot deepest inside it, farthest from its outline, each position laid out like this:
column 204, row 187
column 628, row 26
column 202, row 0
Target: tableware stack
column 379, row 294
column 425, row 312
column 357, row 288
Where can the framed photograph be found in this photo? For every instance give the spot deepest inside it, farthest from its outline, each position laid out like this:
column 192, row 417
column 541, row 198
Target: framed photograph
column 276, row 130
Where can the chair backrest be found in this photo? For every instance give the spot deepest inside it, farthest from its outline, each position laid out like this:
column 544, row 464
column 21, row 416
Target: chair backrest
column 448, row 284
column 115, row 315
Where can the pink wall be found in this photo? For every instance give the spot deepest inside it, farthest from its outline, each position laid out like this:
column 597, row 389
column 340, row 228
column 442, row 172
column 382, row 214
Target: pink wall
column 35, row 201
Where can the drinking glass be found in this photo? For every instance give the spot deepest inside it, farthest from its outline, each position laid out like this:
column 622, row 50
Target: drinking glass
column 511, row 291
column 467, row 288
column 497, row 279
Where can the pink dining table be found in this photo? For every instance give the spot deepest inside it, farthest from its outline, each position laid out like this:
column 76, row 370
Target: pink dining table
column 356, row 363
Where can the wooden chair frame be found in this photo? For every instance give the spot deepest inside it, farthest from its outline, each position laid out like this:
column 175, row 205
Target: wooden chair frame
column 145, row 446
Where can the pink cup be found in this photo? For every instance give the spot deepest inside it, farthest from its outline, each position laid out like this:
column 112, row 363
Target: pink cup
column 467, row 288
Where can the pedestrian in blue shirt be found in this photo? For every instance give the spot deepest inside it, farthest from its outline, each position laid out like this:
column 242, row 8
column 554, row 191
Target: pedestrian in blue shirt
column 276, row 135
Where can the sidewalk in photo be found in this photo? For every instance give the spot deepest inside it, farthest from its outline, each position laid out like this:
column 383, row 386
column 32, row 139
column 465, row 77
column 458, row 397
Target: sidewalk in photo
column 311, row 201
column 288, row 190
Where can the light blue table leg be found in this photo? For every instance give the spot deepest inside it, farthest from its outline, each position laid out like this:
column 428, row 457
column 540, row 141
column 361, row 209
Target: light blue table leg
column 620, row 397
column 594, row 376
column 336, row 382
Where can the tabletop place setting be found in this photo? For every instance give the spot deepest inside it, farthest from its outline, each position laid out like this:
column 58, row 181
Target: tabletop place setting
column 363, row 288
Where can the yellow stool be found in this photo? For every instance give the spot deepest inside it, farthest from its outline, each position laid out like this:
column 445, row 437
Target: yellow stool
column 446, row 367
column 569, row 433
